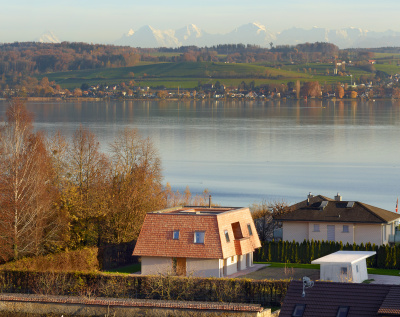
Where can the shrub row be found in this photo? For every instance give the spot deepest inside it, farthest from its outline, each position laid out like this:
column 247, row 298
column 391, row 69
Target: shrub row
column 387, row 257
column 83, row 260
column 165, row 287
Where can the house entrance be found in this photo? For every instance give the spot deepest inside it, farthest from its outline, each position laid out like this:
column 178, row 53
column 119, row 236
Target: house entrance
column 179, row 266
column 331, row 233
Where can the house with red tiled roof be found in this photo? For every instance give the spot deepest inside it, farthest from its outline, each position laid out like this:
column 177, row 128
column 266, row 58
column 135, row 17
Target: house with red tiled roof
column 201, row 241
column 330, row 299
column 322, row 218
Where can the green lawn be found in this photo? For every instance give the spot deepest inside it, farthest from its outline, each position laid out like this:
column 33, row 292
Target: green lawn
column 316, row 266
column 294, row 265
column 383, row 272
column 126, row 269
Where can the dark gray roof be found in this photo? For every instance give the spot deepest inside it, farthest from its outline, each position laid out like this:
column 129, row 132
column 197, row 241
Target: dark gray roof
column 325, row 298
column 336, row 211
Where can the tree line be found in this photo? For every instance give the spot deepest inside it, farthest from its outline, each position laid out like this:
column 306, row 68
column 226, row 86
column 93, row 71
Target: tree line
column 58, row 194
column 386, row 257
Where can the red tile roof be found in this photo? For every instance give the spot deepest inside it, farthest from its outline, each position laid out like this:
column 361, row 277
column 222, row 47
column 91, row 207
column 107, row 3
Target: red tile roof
column 156, row 235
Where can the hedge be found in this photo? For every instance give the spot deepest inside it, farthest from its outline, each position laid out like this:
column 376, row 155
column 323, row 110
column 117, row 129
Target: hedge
column 387, row 257
column 166, row 287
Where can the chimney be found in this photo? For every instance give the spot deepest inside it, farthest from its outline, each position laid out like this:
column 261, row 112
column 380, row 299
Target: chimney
column 310, row 195
column 209, row 201
column 338, row 197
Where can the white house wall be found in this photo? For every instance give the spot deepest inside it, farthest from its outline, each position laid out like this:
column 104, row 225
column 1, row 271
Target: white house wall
column 358, row 233
column 152, row 265
column 322, row 234
column 362, row 274
column 203, row 267
column 372, row 233
column 231, row 265
column 297, row 231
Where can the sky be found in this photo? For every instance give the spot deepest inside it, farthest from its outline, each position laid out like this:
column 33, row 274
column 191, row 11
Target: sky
column 103, row 21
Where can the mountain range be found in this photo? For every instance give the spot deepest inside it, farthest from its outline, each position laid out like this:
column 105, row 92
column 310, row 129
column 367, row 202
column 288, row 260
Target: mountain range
column 252, row 33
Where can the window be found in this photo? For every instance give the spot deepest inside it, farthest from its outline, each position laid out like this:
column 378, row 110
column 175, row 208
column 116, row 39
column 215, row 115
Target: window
column 343, row 270
column 227, row 236
column 233, row 259
column 199, row 237
column 249, row 229
column 298, row 310
column 316, row 228
column 176, row 235
column 342, row 311
column 345, row 228
column 357, row 268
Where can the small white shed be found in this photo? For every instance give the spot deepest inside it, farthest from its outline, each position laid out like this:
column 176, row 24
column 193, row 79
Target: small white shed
column 344, row 266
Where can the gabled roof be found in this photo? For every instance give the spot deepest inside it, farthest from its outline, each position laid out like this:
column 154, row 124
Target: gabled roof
column 156, row 235
column 324, row 209
column 324, row 299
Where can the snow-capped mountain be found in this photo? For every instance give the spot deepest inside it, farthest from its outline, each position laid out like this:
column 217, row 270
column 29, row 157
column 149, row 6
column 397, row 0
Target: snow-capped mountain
column 48, row 37
column 257, row 34
column 252, row 33
column 148, row 36
column 189, row 34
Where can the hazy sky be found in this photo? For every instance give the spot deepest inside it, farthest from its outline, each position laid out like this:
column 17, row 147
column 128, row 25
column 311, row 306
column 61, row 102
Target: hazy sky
column 105, row 21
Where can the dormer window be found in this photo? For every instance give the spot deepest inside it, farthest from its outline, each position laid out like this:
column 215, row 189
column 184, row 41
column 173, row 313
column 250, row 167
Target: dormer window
column 342, row 311
column 298, row 310
column 249, row 229
column 199, row 237
column 175, row 235
column 227, row 236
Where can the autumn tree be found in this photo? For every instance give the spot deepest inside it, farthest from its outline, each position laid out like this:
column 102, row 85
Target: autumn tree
column 28, row 223
column 339, row 91
column 136, row 185
column 85, row 193
column 311, row 89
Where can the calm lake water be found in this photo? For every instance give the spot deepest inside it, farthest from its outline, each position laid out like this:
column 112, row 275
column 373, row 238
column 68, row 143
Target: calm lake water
column 246, row 152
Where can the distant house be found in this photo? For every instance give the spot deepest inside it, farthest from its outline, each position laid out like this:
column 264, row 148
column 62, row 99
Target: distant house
column 344, row 266
column 329, row 299
column 208, row 242
column 322, row 218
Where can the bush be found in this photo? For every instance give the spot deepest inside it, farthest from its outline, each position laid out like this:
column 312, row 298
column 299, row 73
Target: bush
column 89, row 285
column 84, row 260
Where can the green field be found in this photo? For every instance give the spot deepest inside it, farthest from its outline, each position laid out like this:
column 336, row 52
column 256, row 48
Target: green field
column 184, row 75
column 188, row 75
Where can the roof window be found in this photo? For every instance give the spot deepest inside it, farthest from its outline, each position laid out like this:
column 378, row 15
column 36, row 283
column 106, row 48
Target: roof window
column 249, row 229
column 227, row 236
column 175, row 235
column 199, row 237
column 298, row 310
column 342, row 311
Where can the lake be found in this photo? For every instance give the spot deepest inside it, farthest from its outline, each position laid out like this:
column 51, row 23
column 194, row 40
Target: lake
column 248, row 151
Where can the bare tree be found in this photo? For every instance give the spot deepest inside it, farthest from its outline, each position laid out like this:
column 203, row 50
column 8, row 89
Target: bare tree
column 27, row 219
column 263, row 215
column 136, row 185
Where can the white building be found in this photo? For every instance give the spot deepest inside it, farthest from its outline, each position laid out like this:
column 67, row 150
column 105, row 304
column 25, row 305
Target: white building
column 321, row 218
column 344, row 266
column 199, row 241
